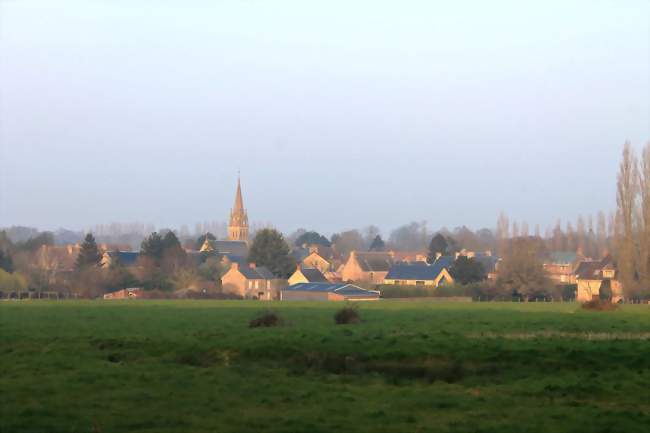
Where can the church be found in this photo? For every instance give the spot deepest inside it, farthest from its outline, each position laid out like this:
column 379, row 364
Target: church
column 236, row 247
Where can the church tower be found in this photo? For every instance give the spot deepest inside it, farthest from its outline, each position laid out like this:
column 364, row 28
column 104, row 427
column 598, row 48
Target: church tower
column 238, row 226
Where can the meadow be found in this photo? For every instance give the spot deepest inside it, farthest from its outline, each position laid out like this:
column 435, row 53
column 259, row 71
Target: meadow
column 196, row 366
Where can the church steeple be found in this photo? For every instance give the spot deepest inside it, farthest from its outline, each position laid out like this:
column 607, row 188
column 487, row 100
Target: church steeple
column 238, row 226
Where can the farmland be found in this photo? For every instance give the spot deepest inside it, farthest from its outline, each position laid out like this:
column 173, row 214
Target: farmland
column 196, row 366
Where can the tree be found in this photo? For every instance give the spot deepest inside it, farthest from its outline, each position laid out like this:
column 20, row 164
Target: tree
column 411, row 236
column 152, row 246
column 309, row 238
column 347, row 241
column 438, row 246
column 170, row 241
column 89, row 255
column 377, row 244
column 522, row 271
column 467, row 270
column 626, row 195
column 271, row 250
column 644, row 218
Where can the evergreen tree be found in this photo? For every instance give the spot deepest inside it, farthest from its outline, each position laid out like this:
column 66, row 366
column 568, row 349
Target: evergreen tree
column 437, row 246
column 377, row 244
column 170, row 241
column 312, row 238
column 152, row 246
column 271, row 250
column 467, row 270
column 89, row 255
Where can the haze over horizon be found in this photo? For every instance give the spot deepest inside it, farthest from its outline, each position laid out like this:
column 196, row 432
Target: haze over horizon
column 450, row 113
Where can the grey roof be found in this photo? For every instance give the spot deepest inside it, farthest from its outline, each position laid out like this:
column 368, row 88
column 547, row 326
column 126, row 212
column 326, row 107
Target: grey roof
column 313, row 275
column 374, row 262
column 403, row 271
column 344, row 289
column 237, row 248
column 563, row 257
column 257, row 273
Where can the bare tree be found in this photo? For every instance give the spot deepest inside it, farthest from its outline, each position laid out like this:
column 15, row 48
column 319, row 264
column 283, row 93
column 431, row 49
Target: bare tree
column 626, row 195
column 644, row 218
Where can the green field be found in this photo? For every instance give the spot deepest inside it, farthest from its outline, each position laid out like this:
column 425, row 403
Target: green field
column 195, row 366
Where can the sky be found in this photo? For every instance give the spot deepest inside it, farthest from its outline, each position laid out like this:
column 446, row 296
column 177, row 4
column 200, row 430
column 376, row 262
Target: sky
column 337, row 114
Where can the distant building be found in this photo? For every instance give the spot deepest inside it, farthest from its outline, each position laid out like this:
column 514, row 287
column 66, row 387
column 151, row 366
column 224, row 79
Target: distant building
column 421, row 274
column 238, row 225
column 132, row 293
column 327, row 292
column 127, row 259
column 252, row 282
column 307, row 275
column 561, row 267
column 596, row 278
column 368, row 267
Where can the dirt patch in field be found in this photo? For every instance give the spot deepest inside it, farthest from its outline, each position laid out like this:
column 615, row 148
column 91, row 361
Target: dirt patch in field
column 590, row 336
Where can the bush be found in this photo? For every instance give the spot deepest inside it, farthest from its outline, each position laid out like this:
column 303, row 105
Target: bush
column 347, row 315
column 265, row 320
column 599, row 305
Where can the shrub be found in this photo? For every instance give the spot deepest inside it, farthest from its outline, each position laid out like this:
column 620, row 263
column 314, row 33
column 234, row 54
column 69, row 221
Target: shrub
column 265, row 320
column 347, row 315
column 599, row 305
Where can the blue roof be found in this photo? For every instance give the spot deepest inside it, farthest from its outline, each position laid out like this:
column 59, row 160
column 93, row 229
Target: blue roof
column 125, row 258
column 489, row 263
column 338, row 288
column 403, row 271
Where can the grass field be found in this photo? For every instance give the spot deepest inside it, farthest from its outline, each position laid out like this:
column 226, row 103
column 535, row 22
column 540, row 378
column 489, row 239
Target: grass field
column 195, row 366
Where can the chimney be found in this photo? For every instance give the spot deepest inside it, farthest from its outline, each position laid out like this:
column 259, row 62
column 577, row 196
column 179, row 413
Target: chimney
column 252, row 265
column 234, row 266
column 438, row 255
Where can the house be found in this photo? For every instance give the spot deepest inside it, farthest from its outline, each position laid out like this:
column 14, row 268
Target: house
column 315, row 260
column 561, row 267
column 127, row 259
column 131, row 293
column 409, row 256
column 252, row 282
column 597, row 278
column 420, row 274
column 369, row 267
column 307, row 275
column 490, row 264
column 327, row 292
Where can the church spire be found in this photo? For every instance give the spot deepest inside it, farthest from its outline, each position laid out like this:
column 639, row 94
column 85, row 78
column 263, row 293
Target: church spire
column 238, row 226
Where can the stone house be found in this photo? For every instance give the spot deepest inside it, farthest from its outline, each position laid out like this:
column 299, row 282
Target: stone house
column 252, row 282
column 367, row 267
column 596, row 278
column 420, row 273
column 307, row 275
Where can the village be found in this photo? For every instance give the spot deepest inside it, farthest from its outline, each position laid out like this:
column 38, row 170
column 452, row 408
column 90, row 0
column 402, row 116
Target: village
column 315, row 270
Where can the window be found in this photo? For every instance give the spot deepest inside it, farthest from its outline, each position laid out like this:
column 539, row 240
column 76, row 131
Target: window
column 419, row 283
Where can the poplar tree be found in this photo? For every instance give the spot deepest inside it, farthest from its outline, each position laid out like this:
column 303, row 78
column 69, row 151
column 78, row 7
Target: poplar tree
column 89, row 255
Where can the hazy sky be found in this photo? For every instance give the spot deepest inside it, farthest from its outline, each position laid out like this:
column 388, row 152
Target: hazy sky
column 338, row 114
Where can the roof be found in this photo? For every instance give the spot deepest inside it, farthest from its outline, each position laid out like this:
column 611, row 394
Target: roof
column 374, row 261
column 593, row 270
column 313, row 275
column 420, row 272
column 236, row 248
column 256, row 273
column 563, row 257
column 445, row 261
column 343, row 289
column 125, row 258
